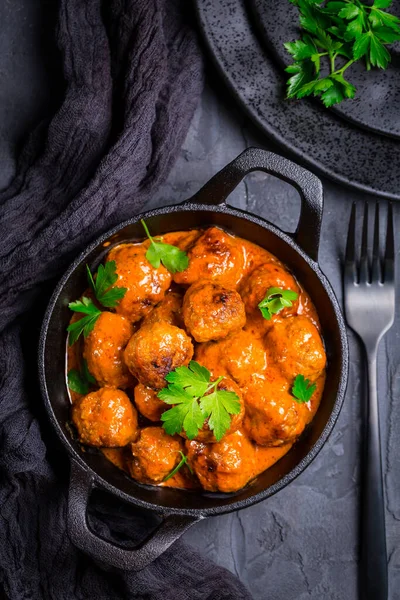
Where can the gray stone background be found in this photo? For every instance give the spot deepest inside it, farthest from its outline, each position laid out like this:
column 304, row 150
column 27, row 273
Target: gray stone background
column 303, row 542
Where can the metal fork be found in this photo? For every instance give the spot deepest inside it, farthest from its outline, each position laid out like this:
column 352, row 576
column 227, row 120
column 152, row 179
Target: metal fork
column 369, row 300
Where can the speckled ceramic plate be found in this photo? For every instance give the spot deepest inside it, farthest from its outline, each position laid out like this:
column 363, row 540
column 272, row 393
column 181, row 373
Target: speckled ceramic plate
column 319, row 138
column 377, row 103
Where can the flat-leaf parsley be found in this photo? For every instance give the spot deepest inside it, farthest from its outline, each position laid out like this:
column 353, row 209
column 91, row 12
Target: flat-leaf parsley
column 173, row 259
column 86, row 324
column 80, row 381
column 105, row 293
column 303, row 389
column 103, row 284
column 195, row 399
column 275, row 300
column 345, row 31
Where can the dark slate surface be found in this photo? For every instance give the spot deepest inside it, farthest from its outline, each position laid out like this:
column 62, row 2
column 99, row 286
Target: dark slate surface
column 302, row 543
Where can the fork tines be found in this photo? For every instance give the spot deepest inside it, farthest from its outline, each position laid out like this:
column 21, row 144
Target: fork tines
column 372, row 266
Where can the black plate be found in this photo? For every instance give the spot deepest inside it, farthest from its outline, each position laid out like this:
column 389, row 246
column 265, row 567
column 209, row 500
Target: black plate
column 376, row 106
column 357, row 158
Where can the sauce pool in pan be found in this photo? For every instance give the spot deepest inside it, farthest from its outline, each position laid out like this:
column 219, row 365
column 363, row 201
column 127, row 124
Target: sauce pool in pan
column 194, row 360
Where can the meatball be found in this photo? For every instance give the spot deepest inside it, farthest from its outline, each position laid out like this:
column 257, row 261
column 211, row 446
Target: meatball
column 242, row 356
column 225, row 466
column 145, row 285
column 214, row 255
column 155, row 350
column 103, row 350
column 154, row 455
column 148, row 403
column 205, row 434
column 297, row 348
column 168, row 310
column 212, row 311
column 255, row 287
column 105, row 417
column 273, row 417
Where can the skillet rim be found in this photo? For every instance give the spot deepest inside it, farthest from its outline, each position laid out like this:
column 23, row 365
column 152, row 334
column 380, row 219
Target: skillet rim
column 97, row 480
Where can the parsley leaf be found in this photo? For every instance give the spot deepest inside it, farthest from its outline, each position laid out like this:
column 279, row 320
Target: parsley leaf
column 382, row 3
column 182, row 462
column 349, row 11
column 332, row 30
column 218, row 406
column 103, row 283
column 378, row 54
column 195, row 398
column 194, row 379
column 86, row 324
column 275, row 300
column 173, row 259
column 80, row 382
column 185, row 415
column 86, row 373
column 303, row 389
column 302, row 73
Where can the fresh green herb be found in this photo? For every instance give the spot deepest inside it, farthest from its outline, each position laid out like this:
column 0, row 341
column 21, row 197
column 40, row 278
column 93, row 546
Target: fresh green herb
column 275, row 300
column 103, row 283
column 80, row 382
column 105, row 293
column 303, row 389
column 86, row 373
column 182, row 462
column 195, row 399
column 336, row 35
column 86, row 324
column 173, row 259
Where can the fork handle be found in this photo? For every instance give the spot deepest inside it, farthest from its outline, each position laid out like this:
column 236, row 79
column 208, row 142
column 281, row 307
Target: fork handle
column 374, row 578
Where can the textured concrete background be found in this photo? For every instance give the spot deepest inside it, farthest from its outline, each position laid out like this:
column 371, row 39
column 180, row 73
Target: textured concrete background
column 302, row 543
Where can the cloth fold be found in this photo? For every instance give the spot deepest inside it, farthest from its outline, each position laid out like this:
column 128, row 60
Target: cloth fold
column 133, row 77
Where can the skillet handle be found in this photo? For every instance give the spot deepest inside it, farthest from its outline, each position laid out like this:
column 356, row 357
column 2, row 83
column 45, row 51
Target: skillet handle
column 135, row 559
column 308, row 185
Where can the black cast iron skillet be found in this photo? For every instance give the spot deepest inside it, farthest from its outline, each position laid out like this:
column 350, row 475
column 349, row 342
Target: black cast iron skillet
column 179, row 509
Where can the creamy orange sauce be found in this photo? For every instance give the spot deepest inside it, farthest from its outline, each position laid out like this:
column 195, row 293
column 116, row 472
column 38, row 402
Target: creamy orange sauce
column 160, row 325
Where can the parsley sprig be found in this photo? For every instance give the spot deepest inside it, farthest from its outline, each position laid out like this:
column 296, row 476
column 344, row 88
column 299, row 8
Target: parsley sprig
column 303, row 389
column 195, row 399
column 173, row 259
column 105, row 293
column 345, row 31
column 103, row 285
column 80, row 381
column 275, row 300
column 183, row 461
column 86, row 324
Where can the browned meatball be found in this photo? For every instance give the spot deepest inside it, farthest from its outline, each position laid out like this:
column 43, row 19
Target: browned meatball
column 242, row 356
column 145, row 285
column 105, row 418
column 154, row 455
column 225, row 466
column 205, row 434
column 273, row 417
column 254, row 288
column 214, row 255
column 212, row 311
column 168, row 310
column 104, row 347
column 155, row 350
column 148, row 403
column 296, row 347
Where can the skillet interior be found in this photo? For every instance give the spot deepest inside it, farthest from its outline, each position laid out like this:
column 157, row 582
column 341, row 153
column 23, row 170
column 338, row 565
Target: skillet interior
column 169, row 500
